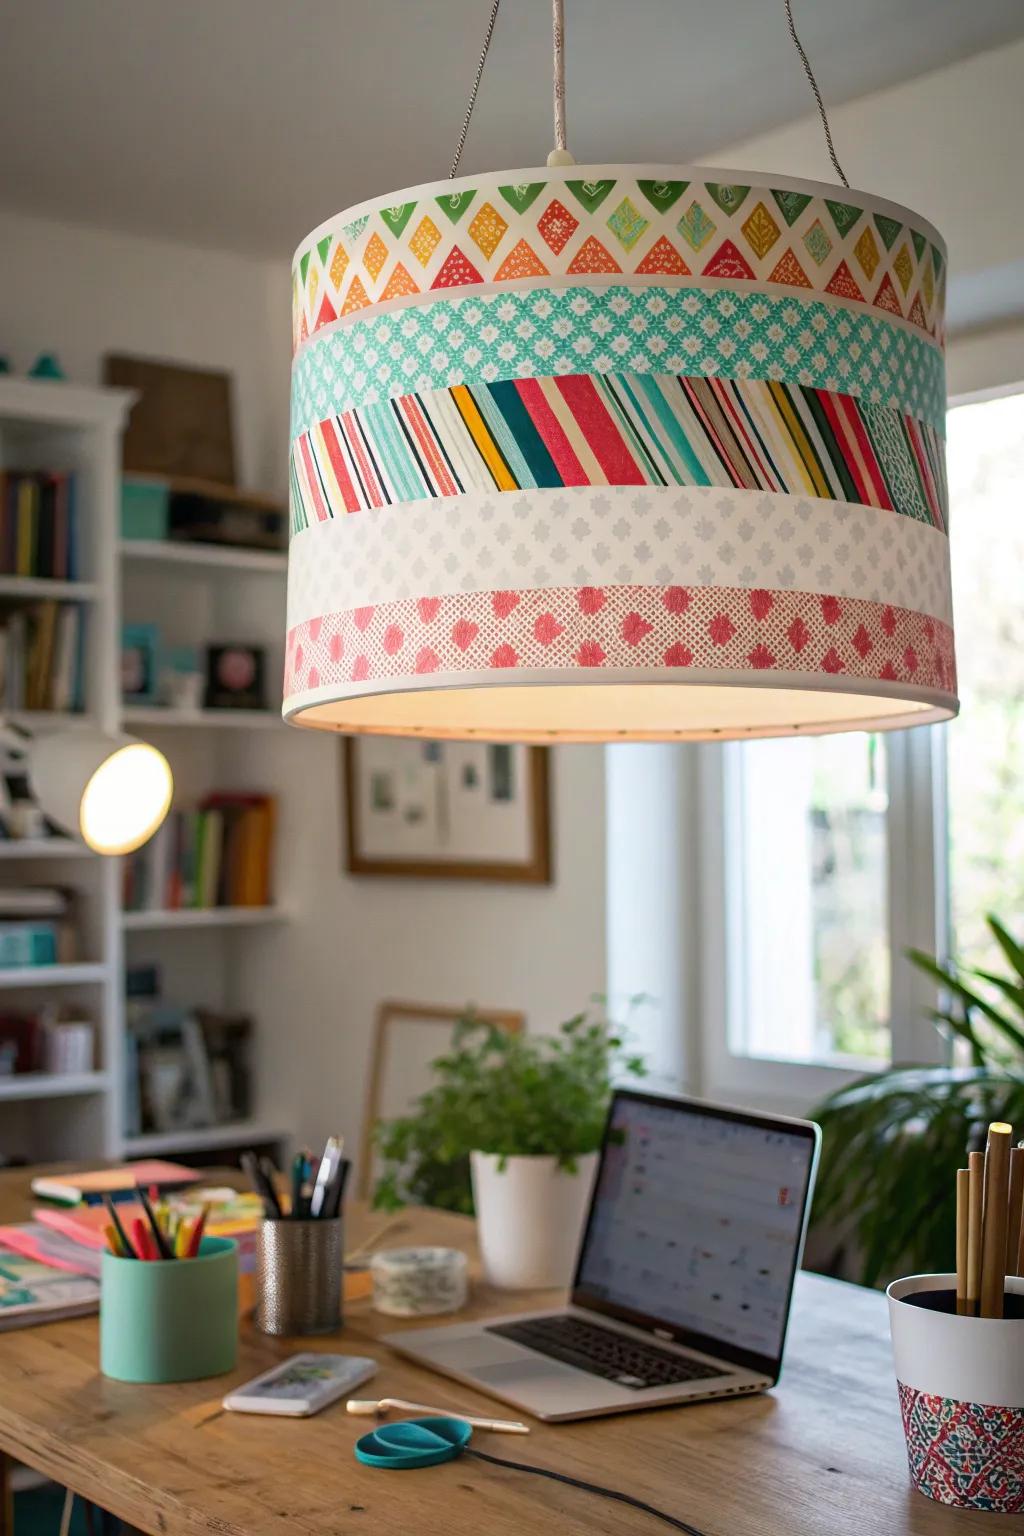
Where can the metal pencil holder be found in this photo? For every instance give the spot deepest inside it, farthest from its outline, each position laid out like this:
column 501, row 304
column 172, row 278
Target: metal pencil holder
column 300, row 1277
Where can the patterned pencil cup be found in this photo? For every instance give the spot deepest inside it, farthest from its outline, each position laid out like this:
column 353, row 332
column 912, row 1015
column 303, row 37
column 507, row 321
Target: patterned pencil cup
column 961, row 1387
column 300, row 1277
column 170, row 1321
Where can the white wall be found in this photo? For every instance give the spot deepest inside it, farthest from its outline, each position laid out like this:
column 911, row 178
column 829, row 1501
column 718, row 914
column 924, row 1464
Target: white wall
column 313, row 985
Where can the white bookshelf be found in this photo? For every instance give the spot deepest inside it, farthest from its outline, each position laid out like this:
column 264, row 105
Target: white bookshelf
column 201, row 917
column 138, row 716
column 196, row 594
column 60, row 426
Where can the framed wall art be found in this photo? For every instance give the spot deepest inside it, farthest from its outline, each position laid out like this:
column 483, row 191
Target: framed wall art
column 447, row 810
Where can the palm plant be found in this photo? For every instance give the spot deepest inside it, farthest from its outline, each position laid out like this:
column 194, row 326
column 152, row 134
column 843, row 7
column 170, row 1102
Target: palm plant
column 892, row 1139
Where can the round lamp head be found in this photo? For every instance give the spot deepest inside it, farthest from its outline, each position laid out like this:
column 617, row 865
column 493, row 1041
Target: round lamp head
column 603, row 452
column 111, row 790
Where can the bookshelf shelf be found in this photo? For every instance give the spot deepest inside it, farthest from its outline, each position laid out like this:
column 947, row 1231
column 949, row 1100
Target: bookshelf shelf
column 52, row 1085
column 44, row 848
column 209, row 557
column 234, row 1133
column 46, row 586
column 219, row 719
column 202, row 917
column 52, row 975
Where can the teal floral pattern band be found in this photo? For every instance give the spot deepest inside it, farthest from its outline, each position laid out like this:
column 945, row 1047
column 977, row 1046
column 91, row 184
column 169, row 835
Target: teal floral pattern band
column 562, row 331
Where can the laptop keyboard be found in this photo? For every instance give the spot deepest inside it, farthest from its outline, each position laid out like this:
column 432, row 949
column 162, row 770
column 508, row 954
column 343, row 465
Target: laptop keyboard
column 601, row 1352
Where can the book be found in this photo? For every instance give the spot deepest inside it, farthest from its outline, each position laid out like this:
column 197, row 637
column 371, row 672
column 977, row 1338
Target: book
column 34, row 1240
column 42, row 652
column 218, row 855
column 38, row 531
column 31, row 1292
column 73, row 1188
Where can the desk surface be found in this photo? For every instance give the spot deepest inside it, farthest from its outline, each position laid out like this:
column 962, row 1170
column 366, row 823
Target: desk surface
column 821, row 1454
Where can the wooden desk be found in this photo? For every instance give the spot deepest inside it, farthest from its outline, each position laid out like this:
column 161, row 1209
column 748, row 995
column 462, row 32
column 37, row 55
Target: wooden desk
column 822, row 1454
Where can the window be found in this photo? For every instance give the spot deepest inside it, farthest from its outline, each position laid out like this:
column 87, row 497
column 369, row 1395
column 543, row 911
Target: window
column 815, row 899
column 826, row 859
column 986, row 750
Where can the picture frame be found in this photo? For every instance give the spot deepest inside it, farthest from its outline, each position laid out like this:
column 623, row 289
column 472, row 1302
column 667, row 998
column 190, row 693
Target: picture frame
column 235, row 677
column 447, row 810
column 140, row 663
column 181, row 424
column 407, row 1037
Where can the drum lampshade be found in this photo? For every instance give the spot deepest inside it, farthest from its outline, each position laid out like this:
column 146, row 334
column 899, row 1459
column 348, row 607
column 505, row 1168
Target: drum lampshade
column 604, row 452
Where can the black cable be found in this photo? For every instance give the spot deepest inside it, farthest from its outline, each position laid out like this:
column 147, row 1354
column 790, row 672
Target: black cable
column 578, row 1482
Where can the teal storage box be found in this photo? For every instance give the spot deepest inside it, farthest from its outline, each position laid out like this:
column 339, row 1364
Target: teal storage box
column 145, row 512
column 170, row 1319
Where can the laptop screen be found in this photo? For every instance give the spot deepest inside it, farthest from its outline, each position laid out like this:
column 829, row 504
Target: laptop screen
column 696, row 1223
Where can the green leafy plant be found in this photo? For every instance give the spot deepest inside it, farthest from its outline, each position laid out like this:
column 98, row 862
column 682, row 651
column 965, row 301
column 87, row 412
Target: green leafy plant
column 510, row 1094
column 892, row 1140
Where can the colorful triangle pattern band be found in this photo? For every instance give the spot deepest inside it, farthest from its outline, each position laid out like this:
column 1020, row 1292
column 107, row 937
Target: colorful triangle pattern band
column 567, row 226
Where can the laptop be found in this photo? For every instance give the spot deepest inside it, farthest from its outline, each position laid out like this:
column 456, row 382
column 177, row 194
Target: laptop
column 684, row 1275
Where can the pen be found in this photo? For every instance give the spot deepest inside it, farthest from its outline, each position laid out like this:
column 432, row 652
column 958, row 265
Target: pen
column 258, row 1180
column 336, row 1192
column 298, row 1179
column 269, row 1173
column 325, row 1174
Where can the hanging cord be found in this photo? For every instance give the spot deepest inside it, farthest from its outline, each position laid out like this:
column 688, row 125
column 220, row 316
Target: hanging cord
column 808, row 71
column 561, row 155
column 476, row 86
column 577, row 1482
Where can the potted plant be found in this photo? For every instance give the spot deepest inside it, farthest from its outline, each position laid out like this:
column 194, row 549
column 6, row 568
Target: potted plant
column 889, row 1140
column 510, row 1129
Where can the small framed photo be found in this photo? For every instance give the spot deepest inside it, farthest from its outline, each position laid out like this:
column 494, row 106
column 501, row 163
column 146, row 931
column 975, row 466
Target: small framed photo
column 235, row 677
column 447, row 810
column 140, row 661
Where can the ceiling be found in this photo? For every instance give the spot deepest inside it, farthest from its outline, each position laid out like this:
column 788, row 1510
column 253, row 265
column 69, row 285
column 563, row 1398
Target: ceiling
column 241, row 124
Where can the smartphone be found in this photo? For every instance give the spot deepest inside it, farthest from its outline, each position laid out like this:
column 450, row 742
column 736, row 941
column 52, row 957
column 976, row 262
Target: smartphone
column 302, row 1385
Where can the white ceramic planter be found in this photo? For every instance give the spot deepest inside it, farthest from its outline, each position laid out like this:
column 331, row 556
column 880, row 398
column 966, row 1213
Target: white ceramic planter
column 961, row 1385
column 529, row 1217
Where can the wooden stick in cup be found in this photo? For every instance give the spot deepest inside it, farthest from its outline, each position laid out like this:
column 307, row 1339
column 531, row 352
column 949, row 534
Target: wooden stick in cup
column 997, row 1191
column 963, row 1185
column 1015, row 1212
column 976, row 1175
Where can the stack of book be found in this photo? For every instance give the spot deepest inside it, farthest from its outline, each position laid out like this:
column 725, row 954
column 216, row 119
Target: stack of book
column 35, row 927
column 38, row 527
column 41, row 657
column 218, row 855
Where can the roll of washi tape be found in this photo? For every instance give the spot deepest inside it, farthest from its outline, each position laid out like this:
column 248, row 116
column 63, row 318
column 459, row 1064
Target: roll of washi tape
column 418, row 1282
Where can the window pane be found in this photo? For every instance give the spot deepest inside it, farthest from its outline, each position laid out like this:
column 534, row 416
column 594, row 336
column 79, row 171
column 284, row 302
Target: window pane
column 813, row 937
column 986, row 744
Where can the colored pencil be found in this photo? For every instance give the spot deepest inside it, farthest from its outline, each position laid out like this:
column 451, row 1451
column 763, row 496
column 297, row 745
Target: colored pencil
column 143, row 1241
column 997, row 1191
column 115, row 1220
column 196, row 1235
column 163, row 1249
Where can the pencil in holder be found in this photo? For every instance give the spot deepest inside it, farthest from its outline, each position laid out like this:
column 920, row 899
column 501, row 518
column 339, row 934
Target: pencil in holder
column 170, row 1320
column 301, row 1268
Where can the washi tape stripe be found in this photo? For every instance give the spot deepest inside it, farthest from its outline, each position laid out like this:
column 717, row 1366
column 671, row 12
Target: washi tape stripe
column 471, row 341
column 621, row 429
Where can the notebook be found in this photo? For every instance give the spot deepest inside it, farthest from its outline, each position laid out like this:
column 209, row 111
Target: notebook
column 73, row 1188
column 37, row 1293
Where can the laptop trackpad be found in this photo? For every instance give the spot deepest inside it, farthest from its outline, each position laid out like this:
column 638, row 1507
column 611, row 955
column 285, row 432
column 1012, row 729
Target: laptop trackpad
column 493, row 1360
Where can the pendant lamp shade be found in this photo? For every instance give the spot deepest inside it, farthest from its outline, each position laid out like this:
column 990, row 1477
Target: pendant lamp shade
column 593, row 452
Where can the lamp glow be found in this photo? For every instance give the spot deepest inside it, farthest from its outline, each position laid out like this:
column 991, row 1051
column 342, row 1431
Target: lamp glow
column 126, row 799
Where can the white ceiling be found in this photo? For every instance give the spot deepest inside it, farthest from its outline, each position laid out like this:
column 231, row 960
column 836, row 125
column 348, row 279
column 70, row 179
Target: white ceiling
column 241, row 124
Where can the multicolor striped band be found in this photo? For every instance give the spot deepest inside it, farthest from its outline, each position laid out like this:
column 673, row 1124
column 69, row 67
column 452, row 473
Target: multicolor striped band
column 515, row 335
column 620, row 534
column 717, row 630
column 618, row 429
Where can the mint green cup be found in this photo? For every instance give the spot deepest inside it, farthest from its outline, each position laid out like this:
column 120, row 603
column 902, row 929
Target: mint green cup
column 173, row 1319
